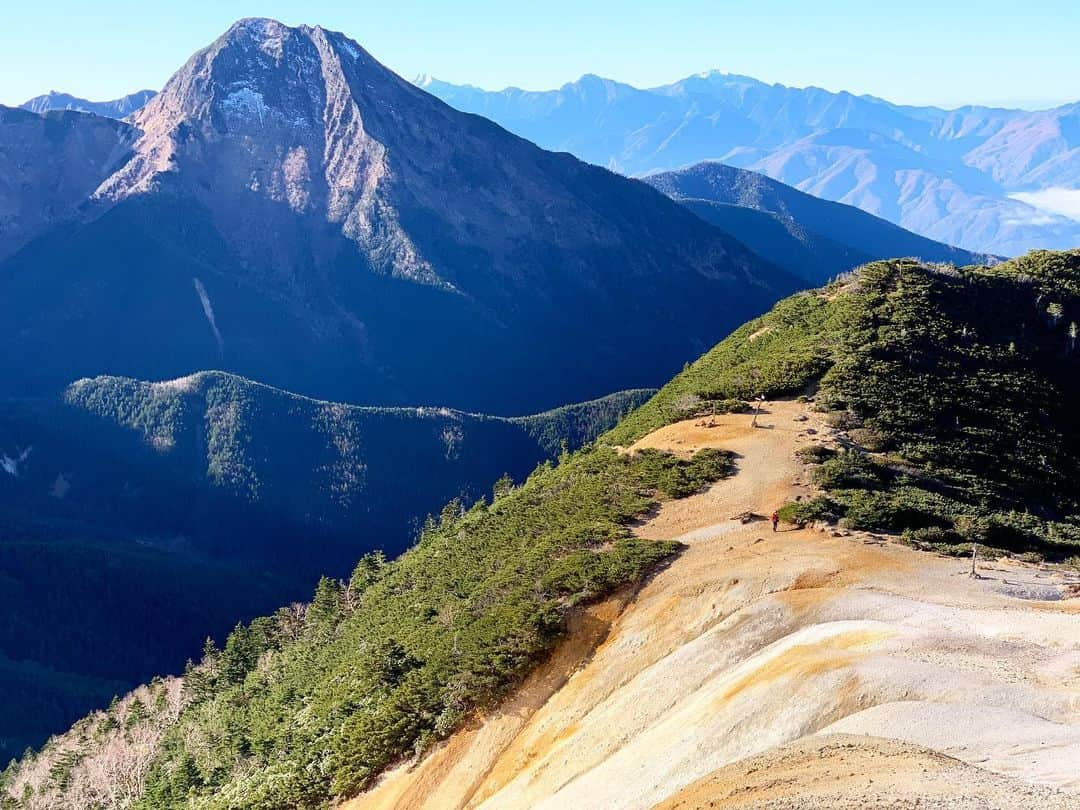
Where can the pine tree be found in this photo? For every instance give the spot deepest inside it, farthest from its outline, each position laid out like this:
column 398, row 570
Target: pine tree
column 325, row 609
column 504, row 486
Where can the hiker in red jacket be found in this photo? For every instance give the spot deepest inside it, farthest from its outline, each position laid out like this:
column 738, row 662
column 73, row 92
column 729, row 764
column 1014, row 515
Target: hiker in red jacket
column 775, row 520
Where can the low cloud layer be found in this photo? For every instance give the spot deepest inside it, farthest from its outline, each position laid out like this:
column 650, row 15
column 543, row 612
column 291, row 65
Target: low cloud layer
column 1057, row 200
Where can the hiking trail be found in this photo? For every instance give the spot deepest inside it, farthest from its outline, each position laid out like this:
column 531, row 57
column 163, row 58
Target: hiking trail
column 796, row 669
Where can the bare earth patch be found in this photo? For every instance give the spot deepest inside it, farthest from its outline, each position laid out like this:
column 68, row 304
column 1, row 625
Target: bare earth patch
column 789, row 670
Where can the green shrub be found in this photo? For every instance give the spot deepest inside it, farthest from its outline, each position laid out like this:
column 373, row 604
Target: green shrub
column 800, row 513
column 847, row 470
column 930, row 536
column 869, row 439
column 842, row 420
column 868, row 511
column 815, row 454
column 719, row 406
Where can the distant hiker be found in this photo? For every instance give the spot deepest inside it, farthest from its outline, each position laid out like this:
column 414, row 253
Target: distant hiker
column 775, row 520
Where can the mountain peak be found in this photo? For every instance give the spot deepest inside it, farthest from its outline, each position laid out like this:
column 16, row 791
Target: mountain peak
column 317, row 213
column 263, row 30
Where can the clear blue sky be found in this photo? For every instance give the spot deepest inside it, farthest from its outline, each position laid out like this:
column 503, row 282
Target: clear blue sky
column 943, row 52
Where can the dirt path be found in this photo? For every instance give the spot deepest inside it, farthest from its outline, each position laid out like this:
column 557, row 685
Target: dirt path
column 818, row 657
column 765, row 457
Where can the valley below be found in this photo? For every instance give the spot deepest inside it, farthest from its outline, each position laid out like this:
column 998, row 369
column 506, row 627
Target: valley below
column 802, row 668
column 371, row 444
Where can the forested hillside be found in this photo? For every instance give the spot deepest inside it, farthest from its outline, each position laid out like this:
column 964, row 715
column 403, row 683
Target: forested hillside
column 313, row 701
column 205, row 500
column 953, row 390
column 956, row 388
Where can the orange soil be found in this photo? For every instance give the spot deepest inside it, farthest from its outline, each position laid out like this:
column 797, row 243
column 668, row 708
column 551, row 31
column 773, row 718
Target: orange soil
column 776, row 648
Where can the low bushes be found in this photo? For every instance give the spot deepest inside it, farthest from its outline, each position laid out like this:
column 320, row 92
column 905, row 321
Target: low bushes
column 815, row 454
column 800, row 513
column 381, row 671
column 847, row 470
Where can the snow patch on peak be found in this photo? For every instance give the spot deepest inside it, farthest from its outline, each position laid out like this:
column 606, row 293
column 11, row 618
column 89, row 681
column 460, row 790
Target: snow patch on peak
column 349, row 47
column 243, row 102
column 264, row 34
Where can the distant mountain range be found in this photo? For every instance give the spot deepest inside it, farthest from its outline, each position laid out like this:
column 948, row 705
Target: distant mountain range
column 776, row 221
column 290, row 210
column 991, row 180
column 117, row 108
column 966, row 177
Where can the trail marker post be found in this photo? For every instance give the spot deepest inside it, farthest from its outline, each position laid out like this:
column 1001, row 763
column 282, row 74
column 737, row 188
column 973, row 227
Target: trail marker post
column 757, row 410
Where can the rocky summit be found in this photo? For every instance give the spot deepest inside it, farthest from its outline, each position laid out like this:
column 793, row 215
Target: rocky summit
column 294, row 211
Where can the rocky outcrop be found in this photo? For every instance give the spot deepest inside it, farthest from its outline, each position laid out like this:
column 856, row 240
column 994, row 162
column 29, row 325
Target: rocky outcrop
column 773, row 670
column 358, row 239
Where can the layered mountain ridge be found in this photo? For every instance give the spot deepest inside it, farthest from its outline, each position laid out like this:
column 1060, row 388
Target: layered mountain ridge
column 292, row 212
column 814, row 238
column 970, row 176
column 666, row 630
column 955, row 176
column 284, row 177
column 116, row 108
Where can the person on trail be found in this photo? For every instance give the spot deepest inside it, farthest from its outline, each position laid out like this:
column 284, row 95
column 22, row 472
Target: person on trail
column 775, row 520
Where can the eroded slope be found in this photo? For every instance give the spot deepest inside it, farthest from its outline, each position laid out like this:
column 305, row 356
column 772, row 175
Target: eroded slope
column 752, row 642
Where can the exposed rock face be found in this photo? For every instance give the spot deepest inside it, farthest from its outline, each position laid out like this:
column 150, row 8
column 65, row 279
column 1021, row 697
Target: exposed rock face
column 49, row 165
column 766, row 670
column 356, row 238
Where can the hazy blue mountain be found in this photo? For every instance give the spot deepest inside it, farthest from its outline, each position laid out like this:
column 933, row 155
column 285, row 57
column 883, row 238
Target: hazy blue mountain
column 205, row 500
column 949, row 175
column 295, row 212
column 807, row 235
column 49, row 165
column 117, row 108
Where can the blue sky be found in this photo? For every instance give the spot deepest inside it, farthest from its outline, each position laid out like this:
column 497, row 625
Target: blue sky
column 918, row 52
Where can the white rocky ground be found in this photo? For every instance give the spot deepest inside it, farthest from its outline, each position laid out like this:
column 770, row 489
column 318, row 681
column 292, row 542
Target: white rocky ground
column 792, row 670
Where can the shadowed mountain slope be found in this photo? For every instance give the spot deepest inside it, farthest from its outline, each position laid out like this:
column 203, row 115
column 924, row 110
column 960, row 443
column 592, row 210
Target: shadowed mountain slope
column 49, row 165
column 297, row 213
column 208, row 500
column 809, row 236
column 920, row 380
